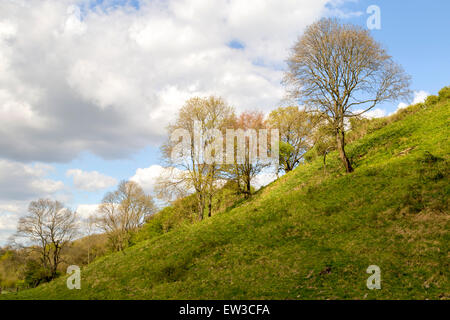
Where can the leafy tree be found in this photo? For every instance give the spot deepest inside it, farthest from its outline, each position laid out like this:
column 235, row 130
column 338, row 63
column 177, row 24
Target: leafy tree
column 245, row 171
column 35, row 274
column 194, row 173
column 295, row 127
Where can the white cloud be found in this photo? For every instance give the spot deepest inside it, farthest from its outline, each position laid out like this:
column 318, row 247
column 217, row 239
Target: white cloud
column 109, row 80
column 148, row 177
column 90, row 181
column 8, row 224
column 263, row 179
column 419, row 97
column 402, row 105
column 84, row 211
column 74, row 24
column 10, row 207
column 8, row 221
column 373, row 113
column 22, row 182
column 7, row 30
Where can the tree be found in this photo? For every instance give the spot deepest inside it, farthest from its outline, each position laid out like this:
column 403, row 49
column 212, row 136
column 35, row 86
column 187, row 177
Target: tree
column 324, row 142
column 50, row 227
column 340, row 71
column 295, row 127
column 89, row 225
column 169, row 185
column 196, row 124
column 124, row 211
column 244, row 172
column 13, row 260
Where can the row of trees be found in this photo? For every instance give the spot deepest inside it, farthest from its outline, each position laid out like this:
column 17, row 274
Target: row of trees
column 335, row 72
column 49, row 230
column 195, row 175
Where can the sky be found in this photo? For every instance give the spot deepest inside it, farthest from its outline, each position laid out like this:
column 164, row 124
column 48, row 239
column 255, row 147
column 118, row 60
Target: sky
column 87, row 88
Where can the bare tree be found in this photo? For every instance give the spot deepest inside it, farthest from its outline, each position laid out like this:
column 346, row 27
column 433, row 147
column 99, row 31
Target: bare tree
column 124, row 211
column 170, row 186
column 195, row 173
column 89, row 226
column 340, row 71
column 50, row 227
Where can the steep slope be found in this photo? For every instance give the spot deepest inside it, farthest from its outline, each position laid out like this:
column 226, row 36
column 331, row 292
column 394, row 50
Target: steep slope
column 309, row 235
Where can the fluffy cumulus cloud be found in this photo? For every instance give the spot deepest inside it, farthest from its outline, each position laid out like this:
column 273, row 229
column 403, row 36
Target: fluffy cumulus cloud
column 8, row 223
column 84, row 211
column 263, row 179
column 108, row 78
column 19, row 182
column 419, row 97
column 147, row 178
column 90, row 181
column 373, row 113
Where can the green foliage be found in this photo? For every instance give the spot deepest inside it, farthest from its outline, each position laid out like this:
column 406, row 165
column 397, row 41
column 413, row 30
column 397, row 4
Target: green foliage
column 183, row 212
column 431, row 100
column 444, row 93
column 295, row 128
column 307, row 235
column 11, row 268
column 285, row 150
column 85, row 250
column 35, row 274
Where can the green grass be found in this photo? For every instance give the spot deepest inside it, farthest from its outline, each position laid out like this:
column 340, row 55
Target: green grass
column 308, row 235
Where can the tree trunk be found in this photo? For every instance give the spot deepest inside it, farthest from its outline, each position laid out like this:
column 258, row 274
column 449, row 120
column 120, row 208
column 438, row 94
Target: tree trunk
column 210, row 205
column 287, row 167
column 54, row 266
column 340, row 138
column 248, row 187
column 201, row 206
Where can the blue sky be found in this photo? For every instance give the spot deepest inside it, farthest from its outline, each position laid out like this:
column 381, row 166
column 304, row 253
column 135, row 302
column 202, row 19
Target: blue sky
column 94, row 87
column 416, row 34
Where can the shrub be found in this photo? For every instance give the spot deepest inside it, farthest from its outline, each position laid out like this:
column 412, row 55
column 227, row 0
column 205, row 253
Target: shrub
column 444, row 93
column 431, row 100
column 35, row 274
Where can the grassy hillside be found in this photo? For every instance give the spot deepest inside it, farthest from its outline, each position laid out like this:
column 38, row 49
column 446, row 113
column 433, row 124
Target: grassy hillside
column 309, row 235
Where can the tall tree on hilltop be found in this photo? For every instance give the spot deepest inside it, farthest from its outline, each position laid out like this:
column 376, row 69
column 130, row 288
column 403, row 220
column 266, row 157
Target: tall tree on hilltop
column 340, row 71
